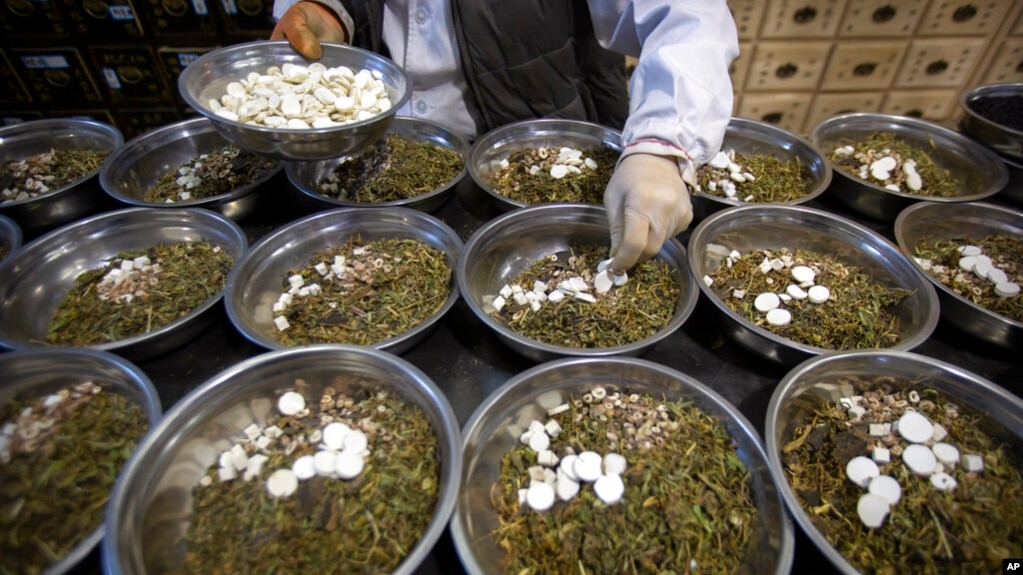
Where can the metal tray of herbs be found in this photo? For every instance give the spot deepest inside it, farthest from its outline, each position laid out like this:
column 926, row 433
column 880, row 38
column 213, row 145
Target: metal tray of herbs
column 417, row 164
column 189, row 164
column 892, row 461
column 694, row 490
column 49, row 301
column 947, row 243
column 747, row 263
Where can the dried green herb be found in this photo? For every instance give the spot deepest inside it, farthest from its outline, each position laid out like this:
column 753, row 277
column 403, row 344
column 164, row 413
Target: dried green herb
column 220, row 171
column 531, row 176
column 857, row 315
column 110, row 303
column 964, row 531
column 687, row 504
column 935, row 180
column 43, row 173
column 367, row 292
column 774, row 179
column 942, row 260
column 57, row 467
column 623, row 315
column 364, row 525
column 402, row 168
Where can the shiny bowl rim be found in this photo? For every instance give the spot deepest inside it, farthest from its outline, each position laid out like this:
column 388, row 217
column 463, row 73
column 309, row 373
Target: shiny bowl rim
column 462, row 147
column 269, row 46
column 999, row 182
column 9, row 229
column 229, row 227
column 100, row 127
column 688, row 303
column 199, row 122
column 554, row 126
column 186, row 408
column 464, row 547
column 793, row 138
column 899, row 227
column 862, row 231
column 789, row 380
column 288, row 229
column 153, row 410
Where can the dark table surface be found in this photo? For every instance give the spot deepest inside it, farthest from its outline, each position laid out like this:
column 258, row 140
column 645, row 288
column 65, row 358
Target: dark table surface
column 467, row 361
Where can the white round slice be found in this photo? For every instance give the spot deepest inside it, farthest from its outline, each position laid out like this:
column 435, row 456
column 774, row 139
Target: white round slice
column 766, row 301
column 919, row 459
column 872, row 509
column 540, row 496
column 887, row 487
column 282, row 483
column 860, row 470
column 609, row 488
column 348, row 464
column 587, row 466
column 915, row 427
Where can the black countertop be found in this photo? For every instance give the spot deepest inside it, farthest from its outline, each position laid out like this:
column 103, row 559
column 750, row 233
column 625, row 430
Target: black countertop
column 467, row 361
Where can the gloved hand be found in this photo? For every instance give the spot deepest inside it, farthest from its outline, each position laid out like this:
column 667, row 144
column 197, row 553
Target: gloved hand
column 647, row 204
column 305, row 25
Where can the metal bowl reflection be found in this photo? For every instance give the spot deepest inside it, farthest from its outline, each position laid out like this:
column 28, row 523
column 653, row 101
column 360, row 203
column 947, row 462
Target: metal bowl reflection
column 309, row 176
column 139, row 164
column 925, row 223
column 772, row 227
column 528, row 395
column 10, row 237
column 492, row 148
column 752, row 137
column 978, row 172
column 503, row 248
column 35, row 280
column 207, row 78
column 978, row 123
column 150, row 507
column 827, row 378
column 256, row 282
column 35, row 373
column 42, row 213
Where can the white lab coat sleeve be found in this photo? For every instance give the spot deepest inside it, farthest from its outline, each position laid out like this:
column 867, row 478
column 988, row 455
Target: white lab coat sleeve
column 281, row 6
column 680, row 91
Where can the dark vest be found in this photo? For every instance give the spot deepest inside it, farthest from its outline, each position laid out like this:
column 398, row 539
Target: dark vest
column 523, row 59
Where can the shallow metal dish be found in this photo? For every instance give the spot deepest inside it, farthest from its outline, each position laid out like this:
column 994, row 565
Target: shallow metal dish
column 930, row 222
column 35, row 280
column 306, row 176
column 527, row 395
column 1002, row 139
column 76, row 200
column 135, row 168
column 488, row 151
column 978, row 170
column 811, row 383
column 10, row 236
column 753, row 137
column 149, row 508
column 256, row 282
column 208, row 76
column 504, row 247
column 751, row 228
column 40, row 372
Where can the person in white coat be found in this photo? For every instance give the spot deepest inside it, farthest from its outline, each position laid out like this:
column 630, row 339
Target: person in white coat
column 476, row 63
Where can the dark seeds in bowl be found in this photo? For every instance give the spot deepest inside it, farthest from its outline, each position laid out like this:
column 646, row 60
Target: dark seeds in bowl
column 1005, row 111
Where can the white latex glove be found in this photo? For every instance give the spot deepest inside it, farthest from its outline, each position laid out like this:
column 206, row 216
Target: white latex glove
column 647, row 204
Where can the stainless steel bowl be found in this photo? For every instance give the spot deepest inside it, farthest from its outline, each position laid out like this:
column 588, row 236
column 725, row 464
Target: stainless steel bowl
column 754, row 137
column 1002, row 139
column 928, row 222
column 10, row 236
column 487, row 153
column 503, row 248
column 307, row 176
column 208, row 76
column 150, row 506
column 819, row 380
column 76, row 200
column 527, row 396
column 256, row 282
column 40, row 372
column 979, row 172
column 1013, row 191
column 751, row 228
column 35, row 280
column 131, row 171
